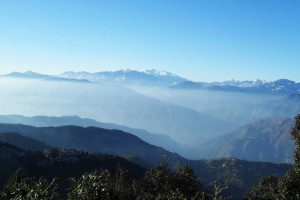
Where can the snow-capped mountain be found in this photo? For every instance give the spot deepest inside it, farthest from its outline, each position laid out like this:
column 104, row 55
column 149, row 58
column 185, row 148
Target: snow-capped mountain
column 281, row 86
column 155, row 77
column 128, row 76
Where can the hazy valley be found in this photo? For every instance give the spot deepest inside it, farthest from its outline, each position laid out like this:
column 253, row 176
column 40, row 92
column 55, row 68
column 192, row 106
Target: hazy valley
column 147, row 117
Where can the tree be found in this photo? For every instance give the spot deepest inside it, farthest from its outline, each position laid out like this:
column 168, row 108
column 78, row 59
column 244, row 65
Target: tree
column 218, row 189
column 267, row 188
column 103, row 185
column 20, row 187
column 296, row 136
column 162, row 183
column 159, row 183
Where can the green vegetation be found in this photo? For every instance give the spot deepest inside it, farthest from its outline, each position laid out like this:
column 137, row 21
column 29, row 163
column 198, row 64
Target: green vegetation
column 72, row 174
column 65, row 164
column 20, row 187
column 286, row 187
column 159, row 183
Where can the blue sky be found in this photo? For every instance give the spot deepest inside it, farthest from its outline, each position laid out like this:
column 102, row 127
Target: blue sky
column 201, row 40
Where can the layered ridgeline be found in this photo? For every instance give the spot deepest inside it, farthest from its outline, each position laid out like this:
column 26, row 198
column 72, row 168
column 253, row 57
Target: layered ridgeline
column 92, row 139
column 241, row 175
column 44, row 121
column 107, row 103
column 185, row 115
column 263, row 140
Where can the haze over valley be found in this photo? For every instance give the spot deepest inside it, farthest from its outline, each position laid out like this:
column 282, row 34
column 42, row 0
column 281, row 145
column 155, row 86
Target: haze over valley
column 149, row 100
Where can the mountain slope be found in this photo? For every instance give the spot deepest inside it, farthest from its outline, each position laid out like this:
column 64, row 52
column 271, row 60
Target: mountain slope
column 44, row 121
column 264, row 140
column 241, row 175
column 288, row 106
column 23, row 142
column 92, row 139
column 71, row 163
column 58, row 163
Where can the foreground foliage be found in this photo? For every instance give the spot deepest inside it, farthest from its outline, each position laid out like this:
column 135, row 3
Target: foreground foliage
column 20, row 187
column 159, row 183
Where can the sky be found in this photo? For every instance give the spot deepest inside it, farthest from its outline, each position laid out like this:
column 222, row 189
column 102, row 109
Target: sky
column 203, row 40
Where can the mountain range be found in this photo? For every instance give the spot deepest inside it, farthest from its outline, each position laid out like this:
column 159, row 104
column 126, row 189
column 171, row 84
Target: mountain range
column 63, row 163
column 125, row 77
column 157, row 121
column 92, row 139
column 263, row 140
column 45, row 121
column 107, row 103
column 150, row 77
column 190, row 122
column 34, row 75
column 278, row 87
column 153, row 77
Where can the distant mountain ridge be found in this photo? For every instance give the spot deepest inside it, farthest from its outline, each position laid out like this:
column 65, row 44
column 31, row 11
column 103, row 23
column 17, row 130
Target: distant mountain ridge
column 150, row 77
column 128, row 76
column 153, row 77
column 281, row 86
column 34, row 75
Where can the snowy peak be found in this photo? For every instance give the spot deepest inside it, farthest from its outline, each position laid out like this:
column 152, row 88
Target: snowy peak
column 158, row 73
column 151, row 77
column 281, row 86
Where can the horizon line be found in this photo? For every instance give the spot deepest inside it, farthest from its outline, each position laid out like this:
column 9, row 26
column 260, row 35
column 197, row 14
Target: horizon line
column 146, row 69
